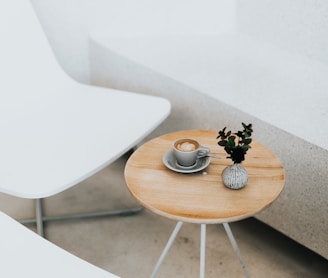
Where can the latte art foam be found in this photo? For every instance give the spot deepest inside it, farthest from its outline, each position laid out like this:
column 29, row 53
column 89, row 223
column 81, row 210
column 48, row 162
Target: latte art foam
column 186, row 147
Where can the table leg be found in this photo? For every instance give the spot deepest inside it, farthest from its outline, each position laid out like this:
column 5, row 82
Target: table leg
column 235, row 248
column 167, row 248
column 39, row 220
column 202, row 250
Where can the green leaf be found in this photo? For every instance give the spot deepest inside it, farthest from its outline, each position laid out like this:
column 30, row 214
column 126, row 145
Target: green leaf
column 222, row 143
column 228, row 150
column 231, row 142
column 247, row 141
column 240, row 134
column 245, row 148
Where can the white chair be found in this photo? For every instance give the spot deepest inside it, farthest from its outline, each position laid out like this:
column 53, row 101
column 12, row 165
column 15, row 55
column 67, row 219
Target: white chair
column 23, row 253
column 56, row 132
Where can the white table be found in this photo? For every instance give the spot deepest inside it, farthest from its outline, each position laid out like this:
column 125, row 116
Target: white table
column 56, row 132
column 54, row 142
column 50, row 143
column 25, row 254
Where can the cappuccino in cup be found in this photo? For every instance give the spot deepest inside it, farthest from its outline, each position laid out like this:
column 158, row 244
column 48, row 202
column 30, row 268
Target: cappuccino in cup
column 187, row 151
column 186, row 145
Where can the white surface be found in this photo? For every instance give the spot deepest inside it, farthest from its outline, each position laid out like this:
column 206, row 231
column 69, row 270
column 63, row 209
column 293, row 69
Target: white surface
column 68, row 23
column 56, row 132
column 300, row 26
column 25, row 254
column 283, row 89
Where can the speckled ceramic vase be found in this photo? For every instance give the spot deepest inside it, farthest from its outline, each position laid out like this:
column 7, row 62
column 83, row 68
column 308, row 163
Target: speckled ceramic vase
column 235, row 176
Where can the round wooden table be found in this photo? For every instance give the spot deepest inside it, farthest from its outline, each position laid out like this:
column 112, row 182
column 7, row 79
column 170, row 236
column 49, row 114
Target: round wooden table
column 202, row 197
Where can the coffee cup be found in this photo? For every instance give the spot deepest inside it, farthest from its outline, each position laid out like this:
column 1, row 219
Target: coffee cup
column 187, row 151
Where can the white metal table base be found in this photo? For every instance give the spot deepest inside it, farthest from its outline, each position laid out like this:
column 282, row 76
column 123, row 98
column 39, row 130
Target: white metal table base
column 202, row 249
column 40, row 219
column 235, row 248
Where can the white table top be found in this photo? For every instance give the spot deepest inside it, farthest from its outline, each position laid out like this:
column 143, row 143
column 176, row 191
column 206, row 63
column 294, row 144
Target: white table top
column 281, row 88
column 53, row 143
column 56, row 132
column 25, row 254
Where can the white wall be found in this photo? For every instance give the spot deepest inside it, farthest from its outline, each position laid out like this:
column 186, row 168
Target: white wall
column 300, row 26
column 68, row 23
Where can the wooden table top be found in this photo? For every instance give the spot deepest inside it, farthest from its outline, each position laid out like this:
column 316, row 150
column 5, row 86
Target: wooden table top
column 202, row 197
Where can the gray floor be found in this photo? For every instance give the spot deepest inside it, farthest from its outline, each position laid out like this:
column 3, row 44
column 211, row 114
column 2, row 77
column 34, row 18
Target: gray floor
column 129, row 246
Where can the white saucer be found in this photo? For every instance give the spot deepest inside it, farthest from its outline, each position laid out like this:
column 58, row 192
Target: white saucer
column 170, row 162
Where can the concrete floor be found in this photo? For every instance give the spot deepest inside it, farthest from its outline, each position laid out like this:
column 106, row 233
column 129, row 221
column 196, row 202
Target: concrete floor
column 130, row 246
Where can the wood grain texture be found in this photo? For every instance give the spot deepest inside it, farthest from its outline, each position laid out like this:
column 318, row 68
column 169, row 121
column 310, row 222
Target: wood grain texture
column 202, row 197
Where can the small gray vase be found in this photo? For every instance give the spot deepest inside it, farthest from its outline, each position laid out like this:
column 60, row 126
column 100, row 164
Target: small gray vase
column 235, row 176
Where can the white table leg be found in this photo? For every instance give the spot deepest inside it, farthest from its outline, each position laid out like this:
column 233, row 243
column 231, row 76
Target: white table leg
column 235, row 248
column 167, row 248
column 202, row 250
column 39, row 219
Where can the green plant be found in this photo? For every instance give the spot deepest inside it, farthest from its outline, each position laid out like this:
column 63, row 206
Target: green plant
column 236, row 149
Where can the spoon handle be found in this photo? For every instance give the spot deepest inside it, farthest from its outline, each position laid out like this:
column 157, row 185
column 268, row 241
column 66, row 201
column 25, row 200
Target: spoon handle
column 210, row 155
